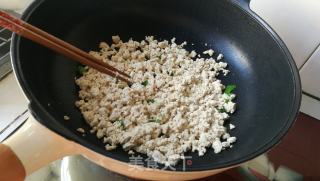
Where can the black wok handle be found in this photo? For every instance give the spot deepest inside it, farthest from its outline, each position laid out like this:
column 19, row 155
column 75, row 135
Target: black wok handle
column 245, row 4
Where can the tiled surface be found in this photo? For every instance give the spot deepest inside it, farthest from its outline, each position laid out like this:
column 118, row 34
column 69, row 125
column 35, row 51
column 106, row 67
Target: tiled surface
column 12, row 100
column 295, row 21
column 310, row 74
column 310, row 106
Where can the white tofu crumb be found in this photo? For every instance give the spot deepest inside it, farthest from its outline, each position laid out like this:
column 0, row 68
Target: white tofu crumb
column 66, row 118
column 226, row 136
column 174, row 94
column 193, row 54
column 110, row 147
column 220, row 57
column 116, row 39
column 231, row 126
column 232, row 139
column 217, row 146
column 104, row 45
column 229, row 106
column 81, row 130
column 225, row 144
column 92, row 131
column 209, row 52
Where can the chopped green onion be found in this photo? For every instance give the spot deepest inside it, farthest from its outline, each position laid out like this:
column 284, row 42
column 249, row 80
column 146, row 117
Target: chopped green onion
column 150, row 101
column 81, row 69
column 120, row 122
column 155, row 120
column 145, row 83
column 229, row 89
column 222, row 110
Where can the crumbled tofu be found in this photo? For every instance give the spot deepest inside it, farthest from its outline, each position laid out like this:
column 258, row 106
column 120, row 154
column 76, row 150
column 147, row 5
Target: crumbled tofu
column 92, row 131
column 220, row 57
column 110, row 147
column 66, row 118
column 226, row 136
column 232, row 139
column 172, row 107
column 116, row 39
column 209, row 52
column 231, row 126
column 81, row 130
column 192, row 54
column 230, row 106
column 217, row 146
column 225, row 144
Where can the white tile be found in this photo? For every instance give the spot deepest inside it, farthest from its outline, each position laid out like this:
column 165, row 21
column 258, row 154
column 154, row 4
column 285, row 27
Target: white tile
column 310, row 106
column 12, row 100
column 295, row 21
column 310, row 75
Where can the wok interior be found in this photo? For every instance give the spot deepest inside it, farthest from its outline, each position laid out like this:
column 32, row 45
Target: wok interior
column 259, row 68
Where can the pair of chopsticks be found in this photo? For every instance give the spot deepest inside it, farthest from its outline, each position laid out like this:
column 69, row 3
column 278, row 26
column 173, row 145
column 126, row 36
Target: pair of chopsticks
column 37, row 35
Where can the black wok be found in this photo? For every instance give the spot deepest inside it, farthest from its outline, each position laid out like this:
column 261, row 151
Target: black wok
column 268, row 85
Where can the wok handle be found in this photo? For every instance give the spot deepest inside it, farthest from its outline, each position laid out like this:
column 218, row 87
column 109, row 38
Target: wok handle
column 30, row 148
column 245, row 4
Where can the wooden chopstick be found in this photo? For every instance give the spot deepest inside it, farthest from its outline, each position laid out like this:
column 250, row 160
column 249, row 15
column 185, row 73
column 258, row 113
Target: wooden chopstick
column 30, row 32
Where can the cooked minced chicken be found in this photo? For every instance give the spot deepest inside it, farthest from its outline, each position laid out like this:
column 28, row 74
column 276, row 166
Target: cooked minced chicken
column 175, row 104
